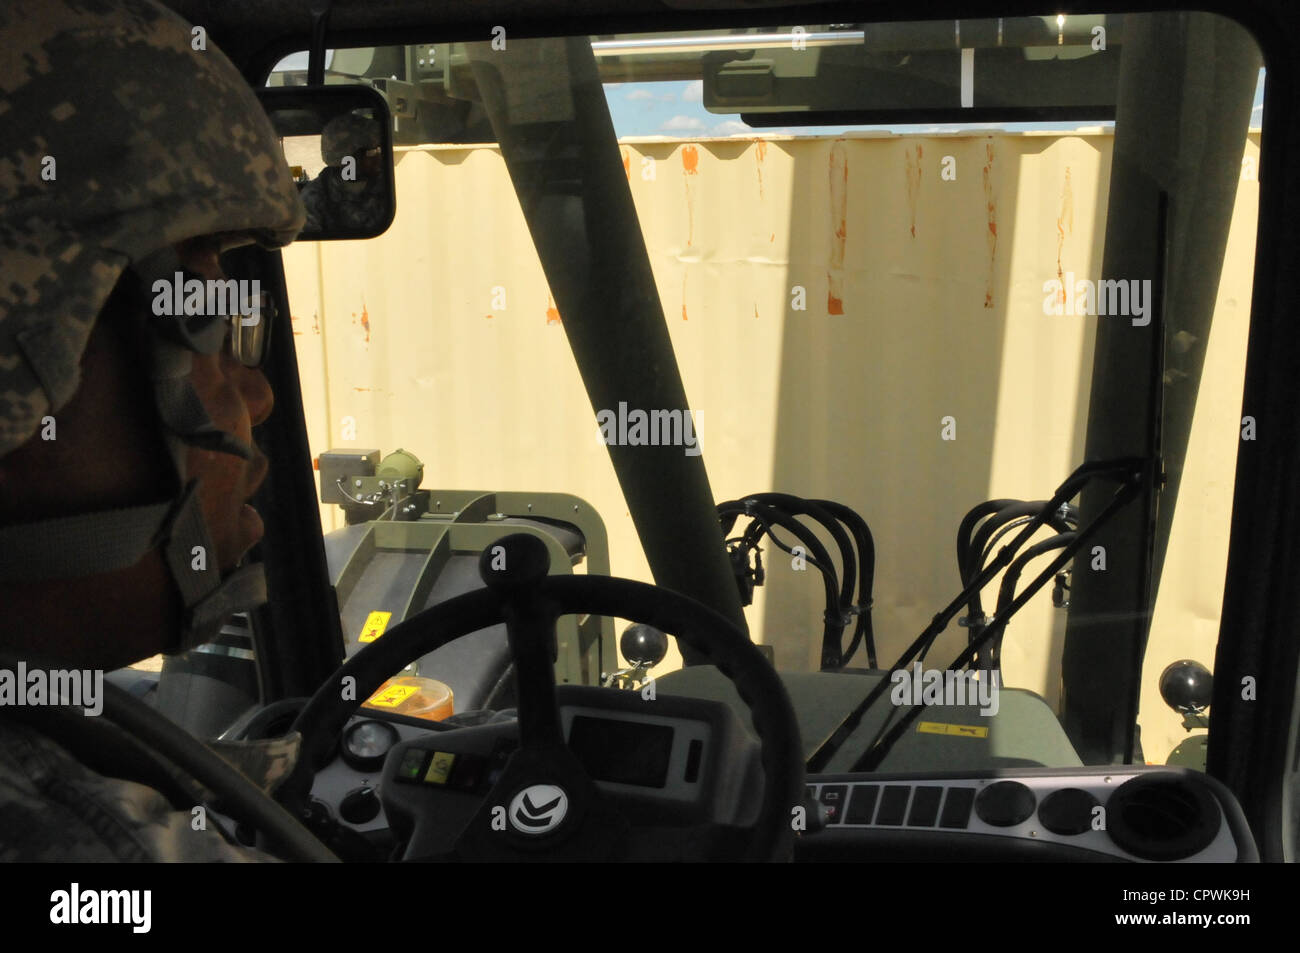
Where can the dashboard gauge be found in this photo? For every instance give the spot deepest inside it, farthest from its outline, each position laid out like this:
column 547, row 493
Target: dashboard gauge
column 367, row 743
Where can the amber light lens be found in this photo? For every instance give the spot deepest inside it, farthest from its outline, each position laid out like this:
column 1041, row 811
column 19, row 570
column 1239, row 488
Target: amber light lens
column 413, row 696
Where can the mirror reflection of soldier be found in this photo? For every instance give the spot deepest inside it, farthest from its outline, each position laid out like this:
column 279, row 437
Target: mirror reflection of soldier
column 347, row 195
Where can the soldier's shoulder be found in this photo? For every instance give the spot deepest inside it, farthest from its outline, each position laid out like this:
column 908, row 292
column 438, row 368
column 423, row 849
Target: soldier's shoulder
column 53, row 808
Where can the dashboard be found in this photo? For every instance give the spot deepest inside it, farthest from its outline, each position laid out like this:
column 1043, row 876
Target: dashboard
column 684, row 764
column 1114, row 813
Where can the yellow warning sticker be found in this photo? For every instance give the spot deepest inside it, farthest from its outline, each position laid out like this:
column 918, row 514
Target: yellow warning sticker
column 392, row 696
column 961, row 731
column 440, row 767
column 376, row 622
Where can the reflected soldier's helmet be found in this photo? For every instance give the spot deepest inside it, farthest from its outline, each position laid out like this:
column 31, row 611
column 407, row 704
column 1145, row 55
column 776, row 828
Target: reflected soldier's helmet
column 348, row 135
column 123, row 131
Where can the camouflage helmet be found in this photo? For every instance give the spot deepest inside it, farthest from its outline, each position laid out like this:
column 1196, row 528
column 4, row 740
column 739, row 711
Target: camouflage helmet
column 124, row 131
column 348, row 135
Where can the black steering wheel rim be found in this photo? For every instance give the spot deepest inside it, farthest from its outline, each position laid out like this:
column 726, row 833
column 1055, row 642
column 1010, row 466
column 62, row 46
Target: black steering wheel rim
column 725, row 646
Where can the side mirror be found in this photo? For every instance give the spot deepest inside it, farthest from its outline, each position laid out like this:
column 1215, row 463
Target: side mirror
column 338, row 141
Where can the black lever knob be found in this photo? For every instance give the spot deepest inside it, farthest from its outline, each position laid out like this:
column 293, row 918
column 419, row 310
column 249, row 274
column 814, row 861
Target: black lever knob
column 643, row 645
column 1187, row 686
column 514, row 562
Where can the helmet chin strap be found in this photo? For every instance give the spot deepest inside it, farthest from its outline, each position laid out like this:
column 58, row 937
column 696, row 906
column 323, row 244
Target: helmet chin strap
column 207, row 597
column 108, row 540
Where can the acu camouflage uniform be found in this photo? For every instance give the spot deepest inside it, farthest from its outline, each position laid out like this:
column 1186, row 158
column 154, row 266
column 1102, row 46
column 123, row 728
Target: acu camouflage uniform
column 54, row 808
column 334, row 204
column 152, row 142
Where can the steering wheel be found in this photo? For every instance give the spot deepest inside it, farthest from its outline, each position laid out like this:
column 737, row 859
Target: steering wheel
column 521, row 594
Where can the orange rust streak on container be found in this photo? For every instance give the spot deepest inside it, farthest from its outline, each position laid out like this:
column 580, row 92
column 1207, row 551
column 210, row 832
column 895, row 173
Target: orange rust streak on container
column 365, row 321
column 760, row 151
column 690, row 166
column 992, row 236
column 912, row 172
column 552, row 314
column 1064, row 224
column 627, row 165
column 839, row 181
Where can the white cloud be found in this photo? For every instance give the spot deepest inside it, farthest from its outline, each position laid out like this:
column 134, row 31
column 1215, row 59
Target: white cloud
column 640, row 94
column 694, row 91
column 732, row 127
column 683, row 123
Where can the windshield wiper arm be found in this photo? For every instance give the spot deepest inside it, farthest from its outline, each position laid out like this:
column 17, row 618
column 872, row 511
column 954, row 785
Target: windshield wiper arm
column 1133, row 471
column 1007, row 592
column 881, row 746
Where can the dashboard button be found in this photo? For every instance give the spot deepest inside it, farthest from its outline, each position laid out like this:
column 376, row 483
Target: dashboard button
column 925, row 806
column 956, row 808
column 832, row 799
column 893, row 804
column 862, row 804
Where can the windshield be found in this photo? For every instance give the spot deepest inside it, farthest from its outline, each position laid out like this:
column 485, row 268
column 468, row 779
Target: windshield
column 907, row 269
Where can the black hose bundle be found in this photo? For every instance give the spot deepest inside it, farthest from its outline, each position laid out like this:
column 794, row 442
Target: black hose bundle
column 857, row 559
column 977, row 536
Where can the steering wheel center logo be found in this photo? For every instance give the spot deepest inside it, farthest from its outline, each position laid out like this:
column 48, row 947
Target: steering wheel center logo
column 538, row 809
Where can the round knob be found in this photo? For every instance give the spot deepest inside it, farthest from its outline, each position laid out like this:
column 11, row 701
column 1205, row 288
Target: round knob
column 1068, row 811
column 643, row 645
column 1187, row 686
column 514, row 562
column 360, row 806
column 1005, row 804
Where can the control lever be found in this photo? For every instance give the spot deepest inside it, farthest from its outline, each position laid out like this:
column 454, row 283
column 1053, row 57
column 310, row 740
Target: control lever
column 645, row 647
column 1187, row 687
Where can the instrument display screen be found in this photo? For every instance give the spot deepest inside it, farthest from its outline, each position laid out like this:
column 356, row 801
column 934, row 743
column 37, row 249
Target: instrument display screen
column 622, row 752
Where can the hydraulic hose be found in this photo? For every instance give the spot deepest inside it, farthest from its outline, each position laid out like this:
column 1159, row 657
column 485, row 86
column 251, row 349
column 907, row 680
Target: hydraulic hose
column 834, row 619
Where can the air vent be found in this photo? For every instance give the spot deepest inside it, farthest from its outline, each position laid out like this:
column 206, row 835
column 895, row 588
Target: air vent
column 1162, row 816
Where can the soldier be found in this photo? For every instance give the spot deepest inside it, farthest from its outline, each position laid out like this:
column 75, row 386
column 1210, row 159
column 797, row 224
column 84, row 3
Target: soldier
column 347, row 196
column 125, row 436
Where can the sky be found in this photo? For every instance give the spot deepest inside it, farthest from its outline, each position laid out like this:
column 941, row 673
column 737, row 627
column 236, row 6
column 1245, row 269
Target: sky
column 676, row 110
